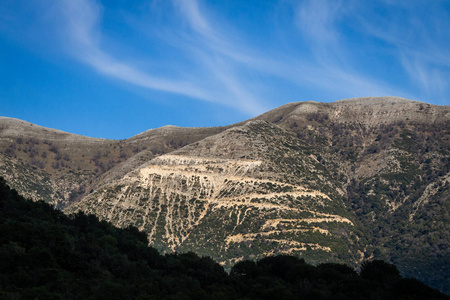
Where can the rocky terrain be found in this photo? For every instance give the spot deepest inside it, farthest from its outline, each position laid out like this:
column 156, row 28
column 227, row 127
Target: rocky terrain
column 332, row 182
column 61, row 168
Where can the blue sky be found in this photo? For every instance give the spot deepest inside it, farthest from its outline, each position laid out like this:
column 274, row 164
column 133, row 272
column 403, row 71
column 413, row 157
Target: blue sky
column 115, row 68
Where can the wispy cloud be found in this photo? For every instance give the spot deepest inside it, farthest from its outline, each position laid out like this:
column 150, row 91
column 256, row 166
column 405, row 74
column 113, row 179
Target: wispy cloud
column 415, row 32
column 333, row 67
column 218, row 62
column 81, row 26
column 317, row 18
column 219, row 58
column 220, row 82
column 433, row 80
column 191, row 11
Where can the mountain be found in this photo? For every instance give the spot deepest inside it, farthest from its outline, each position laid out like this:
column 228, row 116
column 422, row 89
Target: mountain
column 346, row 181
column 61, row 167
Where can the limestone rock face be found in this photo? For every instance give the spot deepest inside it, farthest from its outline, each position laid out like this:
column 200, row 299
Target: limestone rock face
column 230, row 196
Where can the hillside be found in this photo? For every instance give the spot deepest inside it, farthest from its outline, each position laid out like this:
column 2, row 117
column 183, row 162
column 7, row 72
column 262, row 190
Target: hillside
column 231, row 200
column 48, row 255
column 61, row 167
column 330, row 182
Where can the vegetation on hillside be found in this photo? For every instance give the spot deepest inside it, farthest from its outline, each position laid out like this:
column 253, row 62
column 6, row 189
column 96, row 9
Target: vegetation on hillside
column 45, row 254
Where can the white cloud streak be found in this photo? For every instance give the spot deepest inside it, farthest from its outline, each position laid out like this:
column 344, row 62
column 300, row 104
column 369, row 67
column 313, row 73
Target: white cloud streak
column 333, row 67
column 317, row 19
column 216, row 52
column 220, row 83
column 221, row 66
column 81, row 22
column 415, row 31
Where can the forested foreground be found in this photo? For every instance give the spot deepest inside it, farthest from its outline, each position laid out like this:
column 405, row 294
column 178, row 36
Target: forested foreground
column 45, row 254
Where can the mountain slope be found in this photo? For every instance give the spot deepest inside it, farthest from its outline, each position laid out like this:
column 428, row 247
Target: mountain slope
column 344, row 181
column 231, row 196
column 61, row 167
